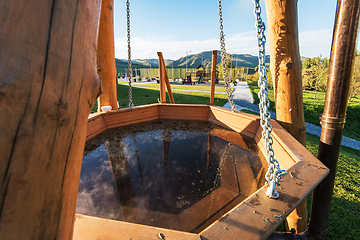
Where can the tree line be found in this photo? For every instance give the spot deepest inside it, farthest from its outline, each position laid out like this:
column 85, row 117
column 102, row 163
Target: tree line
column 315, row 74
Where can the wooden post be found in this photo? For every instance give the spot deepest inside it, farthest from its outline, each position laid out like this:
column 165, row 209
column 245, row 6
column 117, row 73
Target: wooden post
column 106, row 56
column 213, row 76
column 336, row 101
column 48, row 85
column 164, row 80
column 285, row 65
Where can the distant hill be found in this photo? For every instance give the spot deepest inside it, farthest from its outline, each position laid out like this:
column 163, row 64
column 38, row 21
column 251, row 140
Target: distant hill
column 193, row 61
column 121, row 64
column 204, row 58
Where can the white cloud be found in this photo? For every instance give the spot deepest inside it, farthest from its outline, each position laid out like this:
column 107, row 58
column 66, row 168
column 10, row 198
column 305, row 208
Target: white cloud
column 314, row 43
column 141, row 47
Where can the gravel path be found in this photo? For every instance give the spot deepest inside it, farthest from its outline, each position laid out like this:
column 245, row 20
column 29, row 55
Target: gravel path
column 244, row 100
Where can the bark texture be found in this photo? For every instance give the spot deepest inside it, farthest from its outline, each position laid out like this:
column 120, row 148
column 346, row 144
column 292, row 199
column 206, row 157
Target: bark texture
column 285, row 66
column 48, row 85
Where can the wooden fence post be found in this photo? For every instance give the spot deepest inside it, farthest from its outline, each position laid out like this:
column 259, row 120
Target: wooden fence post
column 285, row 65
column 48, row 85
column 106, row 56
column 213, row 76
column 164, row 81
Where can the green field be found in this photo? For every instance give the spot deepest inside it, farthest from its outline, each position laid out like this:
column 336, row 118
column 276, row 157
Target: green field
column 143, row 96
column 344, row 218
column 190, row 87
column 314, row 107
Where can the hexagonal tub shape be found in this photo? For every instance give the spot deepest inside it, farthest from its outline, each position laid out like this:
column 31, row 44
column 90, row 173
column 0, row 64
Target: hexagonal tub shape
column 256, row 217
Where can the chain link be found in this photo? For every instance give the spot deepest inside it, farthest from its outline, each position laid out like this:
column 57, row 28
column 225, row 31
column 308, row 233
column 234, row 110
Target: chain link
column 274, row 172
column 224, row 62
column 129, row 53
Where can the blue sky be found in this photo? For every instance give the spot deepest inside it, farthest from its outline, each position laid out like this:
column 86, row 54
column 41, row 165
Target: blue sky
column 177, row 27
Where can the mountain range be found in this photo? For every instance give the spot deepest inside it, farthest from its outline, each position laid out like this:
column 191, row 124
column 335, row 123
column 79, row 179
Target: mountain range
column 193, row 61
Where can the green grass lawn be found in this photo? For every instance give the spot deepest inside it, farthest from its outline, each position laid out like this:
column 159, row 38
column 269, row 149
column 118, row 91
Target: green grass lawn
column 344, row 218
column 190, row 87
column 143, row 96
column 314, row 107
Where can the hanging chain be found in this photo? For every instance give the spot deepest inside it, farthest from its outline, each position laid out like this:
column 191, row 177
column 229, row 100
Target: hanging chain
column 129, row 53
column 224, row 61
column 274, row 172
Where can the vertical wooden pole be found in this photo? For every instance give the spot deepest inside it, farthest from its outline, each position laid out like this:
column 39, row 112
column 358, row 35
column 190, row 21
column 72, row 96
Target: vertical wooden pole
column 213, row 76
column 48, row 85
column 106, row 56
column 164, row 80
column 162, row 83
column 336, row 100
column 285, row 65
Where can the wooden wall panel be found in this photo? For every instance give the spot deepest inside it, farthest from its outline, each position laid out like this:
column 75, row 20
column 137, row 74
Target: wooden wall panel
column 239, row 122
column 95, row 125
column 131, row 116
column 184, row 112
column 92, row 228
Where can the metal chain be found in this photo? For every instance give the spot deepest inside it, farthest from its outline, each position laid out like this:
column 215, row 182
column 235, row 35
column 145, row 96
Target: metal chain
column 129, row 53
column 224, row 62
column 274, row 172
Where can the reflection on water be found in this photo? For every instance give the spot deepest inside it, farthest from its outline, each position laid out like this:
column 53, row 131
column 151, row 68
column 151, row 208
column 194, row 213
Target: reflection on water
column 175, row 174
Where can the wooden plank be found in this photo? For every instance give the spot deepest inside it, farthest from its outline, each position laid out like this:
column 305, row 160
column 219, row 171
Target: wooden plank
column 151, row 218
column 205, row 208
column 237, row 121
column 253, row 218
column 92, row 228
column 230, row 136
column 213, row 76
column 95, row 125
column 133, row 115
column 184, row 112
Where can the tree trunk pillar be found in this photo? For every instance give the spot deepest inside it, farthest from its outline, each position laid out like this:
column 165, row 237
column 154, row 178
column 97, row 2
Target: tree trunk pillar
column 285, row 66
column 48, row 85
column 106, row 56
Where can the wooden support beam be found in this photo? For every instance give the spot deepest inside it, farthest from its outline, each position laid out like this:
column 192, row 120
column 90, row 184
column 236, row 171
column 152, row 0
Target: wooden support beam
column 162, row 83
column 213, row 76
column 164, row 80
column 48, row 85
column 106, row 56
column 285, row 65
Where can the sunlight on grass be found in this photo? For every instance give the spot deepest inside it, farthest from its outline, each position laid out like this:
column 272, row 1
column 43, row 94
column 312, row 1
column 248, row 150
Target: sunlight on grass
column 190, row 87
column 344, row 215
column 143, row 96
column 314, row 107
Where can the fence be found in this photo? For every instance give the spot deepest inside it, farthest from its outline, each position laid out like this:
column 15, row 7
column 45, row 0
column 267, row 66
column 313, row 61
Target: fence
column 234, row 72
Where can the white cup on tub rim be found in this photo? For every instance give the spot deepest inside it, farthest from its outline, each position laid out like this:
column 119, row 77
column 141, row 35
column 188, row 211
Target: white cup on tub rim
column 106, row 108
